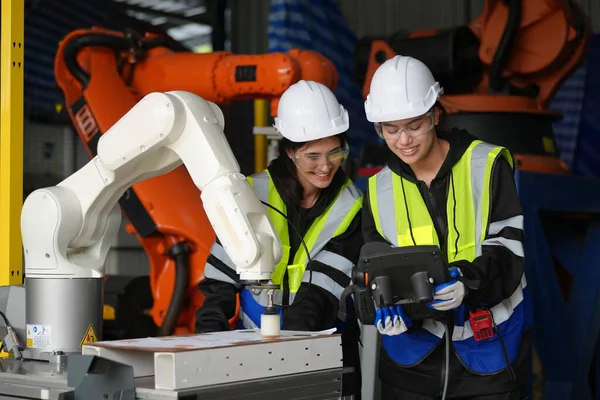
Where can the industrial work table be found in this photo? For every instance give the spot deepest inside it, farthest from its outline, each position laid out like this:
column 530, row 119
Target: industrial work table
column 44, row 381
column 232, row 365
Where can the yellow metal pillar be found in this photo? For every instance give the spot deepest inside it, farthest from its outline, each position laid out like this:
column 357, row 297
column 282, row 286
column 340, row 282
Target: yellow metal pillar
column 261, row 118
column 12, row 56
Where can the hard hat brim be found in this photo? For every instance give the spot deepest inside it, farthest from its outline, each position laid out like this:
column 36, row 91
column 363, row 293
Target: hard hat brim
column 317, row 135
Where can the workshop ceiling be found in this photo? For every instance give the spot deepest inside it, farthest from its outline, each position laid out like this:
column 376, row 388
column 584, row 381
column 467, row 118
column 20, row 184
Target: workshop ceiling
column 197, row 25
column 187, row 21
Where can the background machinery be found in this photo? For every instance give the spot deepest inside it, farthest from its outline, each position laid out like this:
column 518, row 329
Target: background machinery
column 102, row 75
column 500, row 72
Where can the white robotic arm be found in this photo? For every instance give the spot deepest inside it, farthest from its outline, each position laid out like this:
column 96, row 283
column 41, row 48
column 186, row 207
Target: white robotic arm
column 68, row 229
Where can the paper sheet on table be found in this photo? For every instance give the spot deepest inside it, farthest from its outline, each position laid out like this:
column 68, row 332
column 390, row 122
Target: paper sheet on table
column 207, row 340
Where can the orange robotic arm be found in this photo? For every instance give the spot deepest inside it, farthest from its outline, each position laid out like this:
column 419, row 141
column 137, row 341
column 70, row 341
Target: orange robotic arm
column 102, row 75
column 501, row 71
column 525, row 49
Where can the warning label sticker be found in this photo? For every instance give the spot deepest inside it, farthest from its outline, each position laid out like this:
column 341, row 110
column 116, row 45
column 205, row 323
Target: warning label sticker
column 89, row 337
column 39, row 336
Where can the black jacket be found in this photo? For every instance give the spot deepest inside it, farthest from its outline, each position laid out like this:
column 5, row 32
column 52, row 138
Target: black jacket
column 319, row 307
column 498, row 270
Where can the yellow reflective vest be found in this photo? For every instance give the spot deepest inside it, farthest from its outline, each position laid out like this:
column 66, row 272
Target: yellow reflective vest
column 468, row 207
column 332, row 223
column 401, row 217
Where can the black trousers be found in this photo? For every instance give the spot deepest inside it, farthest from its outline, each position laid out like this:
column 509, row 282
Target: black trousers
column 393, row 393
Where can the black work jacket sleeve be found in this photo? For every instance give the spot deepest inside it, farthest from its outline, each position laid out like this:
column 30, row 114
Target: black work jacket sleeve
column 218, row 306
column 316, row 305
column 219, row 287
column 500, row 267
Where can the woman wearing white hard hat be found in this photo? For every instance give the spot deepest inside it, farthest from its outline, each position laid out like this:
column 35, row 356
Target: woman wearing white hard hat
column 307, row 184
column 446, row 188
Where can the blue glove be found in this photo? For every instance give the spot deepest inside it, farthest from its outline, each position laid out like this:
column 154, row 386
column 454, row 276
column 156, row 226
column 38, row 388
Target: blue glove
column 449, row 295
column 392, row 320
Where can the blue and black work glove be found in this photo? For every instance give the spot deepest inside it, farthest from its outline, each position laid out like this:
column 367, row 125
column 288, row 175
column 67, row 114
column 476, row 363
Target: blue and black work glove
column 449, row 295
column 392, row 320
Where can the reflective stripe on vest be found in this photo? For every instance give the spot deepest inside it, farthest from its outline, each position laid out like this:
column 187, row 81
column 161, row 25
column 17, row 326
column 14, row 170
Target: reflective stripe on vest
column 402, row 218
column 332, row 223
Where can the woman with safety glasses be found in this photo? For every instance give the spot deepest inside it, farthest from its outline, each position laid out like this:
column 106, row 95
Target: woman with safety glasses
column 447, row 188
column 314, row 206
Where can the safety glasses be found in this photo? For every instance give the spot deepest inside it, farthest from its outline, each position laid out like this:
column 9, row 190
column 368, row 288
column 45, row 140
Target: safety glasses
column 309, row 162
column 418, row 127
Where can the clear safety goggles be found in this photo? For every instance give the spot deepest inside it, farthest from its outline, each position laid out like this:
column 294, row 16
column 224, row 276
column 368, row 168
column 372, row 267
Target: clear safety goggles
column 309, row 162
column 391, row 132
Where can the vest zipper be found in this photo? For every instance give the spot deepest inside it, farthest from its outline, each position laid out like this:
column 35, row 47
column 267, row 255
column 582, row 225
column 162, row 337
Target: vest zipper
column 437, row 221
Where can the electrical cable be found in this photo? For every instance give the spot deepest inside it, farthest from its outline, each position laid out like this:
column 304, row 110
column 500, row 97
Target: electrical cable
column 13, row 345
column 447, row 331
column 513, row 376
column 447, row 361
column 454, row 212
column 309, row 283
column 5, row 319
column 180, row 254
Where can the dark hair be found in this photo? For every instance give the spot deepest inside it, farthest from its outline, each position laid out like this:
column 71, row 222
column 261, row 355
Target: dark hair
column 442, row 124
column 284, row 171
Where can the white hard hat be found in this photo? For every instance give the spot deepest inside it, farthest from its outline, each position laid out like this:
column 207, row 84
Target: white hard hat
column 308, row 110
column 402, row 87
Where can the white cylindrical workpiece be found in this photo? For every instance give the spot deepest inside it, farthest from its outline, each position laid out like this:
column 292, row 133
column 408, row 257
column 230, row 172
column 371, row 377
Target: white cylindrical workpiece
column 269, row 324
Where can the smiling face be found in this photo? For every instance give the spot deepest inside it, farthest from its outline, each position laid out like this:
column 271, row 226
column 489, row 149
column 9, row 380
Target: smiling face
column 318, row 161
column 410, row 139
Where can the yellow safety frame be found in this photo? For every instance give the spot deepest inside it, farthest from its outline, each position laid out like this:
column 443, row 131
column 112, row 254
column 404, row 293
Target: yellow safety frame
column 261, row 118
column 12, row 57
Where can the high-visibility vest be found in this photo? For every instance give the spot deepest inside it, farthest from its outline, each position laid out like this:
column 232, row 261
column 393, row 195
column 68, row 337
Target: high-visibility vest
column 401, row 216
column 332, row 223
